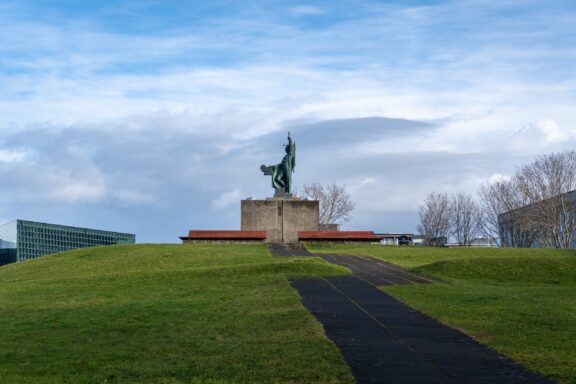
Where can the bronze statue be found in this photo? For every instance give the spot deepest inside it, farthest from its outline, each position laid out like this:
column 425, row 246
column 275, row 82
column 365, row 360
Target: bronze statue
column 282, row 173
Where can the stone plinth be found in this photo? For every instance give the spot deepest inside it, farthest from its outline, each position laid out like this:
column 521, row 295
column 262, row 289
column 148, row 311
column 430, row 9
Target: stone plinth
column 280, row 218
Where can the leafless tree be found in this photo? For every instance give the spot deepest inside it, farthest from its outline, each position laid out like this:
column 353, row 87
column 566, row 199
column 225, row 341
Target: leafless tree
column 434, row 218
column 535, row 205
column 498, row 197
column 464, row 218
column 335, row 203
column 546, row 184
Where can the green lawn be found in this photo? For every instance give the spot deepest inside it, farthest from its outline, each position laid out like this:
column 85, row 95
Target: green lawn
column 521, row 302
column 162, row 314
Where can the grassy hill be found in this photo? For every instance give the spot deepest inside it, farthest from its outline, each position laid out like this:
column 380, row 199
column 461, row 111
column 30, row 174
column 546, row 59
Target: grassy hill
column 162, row 314
column 219, row 314
column 521, row 302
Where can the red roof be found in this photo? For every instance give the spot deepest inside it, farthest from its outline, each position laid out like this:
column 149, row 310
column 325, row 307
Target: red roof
column 224, row 235
column 338, row 235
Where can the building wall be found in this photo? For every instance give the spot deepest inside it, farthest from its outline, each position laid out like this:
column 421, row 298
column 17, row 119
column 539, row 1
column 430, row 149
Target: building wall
column 396, row 238
column 8, row 235
column 7, row 256
column 513, row 234
column 329, row 227
column 34, row 239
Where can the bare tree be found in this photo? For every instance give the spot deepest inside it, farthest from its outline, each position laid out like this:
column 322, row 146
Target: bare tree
column 464, row 218
column 434, row 218
column 335, row 203
column 504, row 196
column 546, row 184
column 536, row 205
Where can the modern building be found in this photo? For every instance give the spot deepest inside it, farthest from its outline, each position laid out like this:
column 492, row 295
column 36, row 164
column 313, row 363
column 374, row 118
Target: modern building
column 23, row 240
column 329, row 227
column 483, row 242
column 548, row 223
column 418, row 240
column 440, row 241
column 396, row 238
column 477, row 242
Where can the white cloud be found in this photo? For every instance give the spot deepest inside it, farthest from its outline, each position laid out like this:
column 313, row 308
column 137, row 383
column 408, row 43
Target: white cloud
column 305, row 10
column 552, row 131
column 226, row 199
column 135, row 198
column 12, row 156
column 337, row 71
column 67, row 190
column 542, row 135
column 497, row 177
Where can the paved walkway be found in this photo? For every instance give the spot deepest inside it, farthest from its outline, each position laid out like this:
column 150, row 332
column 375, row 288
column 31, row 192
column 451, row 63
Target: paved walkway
column 385, row 341
column 375, row 271
column 288, row 250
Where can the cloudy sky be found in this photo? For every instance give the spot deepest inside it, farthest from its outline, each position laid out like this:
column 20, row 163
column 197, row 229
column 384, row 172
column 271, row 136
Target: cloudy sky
column 153, row 117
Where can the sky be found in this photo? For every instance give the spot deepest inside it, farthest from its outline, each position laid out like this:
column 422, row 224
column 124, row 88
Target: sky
column 153, row 117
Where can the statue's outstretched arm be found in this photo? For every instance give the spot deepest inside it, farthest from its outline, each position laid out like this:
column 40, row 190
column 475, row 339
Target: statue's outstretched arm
column 267, row 170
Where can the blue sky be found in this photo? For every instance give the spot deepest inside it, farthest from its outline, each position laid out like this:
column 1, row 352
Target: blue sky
column 153, row 117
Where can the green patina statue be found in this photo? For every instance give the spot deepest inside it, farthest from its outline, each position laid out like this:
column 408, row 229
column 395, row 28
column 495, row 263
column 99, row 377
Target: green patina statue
column 282, row 173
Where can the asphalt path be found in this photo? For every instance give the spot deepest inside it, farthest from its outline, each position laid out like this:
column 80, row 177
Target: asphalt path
column 288, row 250
column 375, row 271
column 385, row 341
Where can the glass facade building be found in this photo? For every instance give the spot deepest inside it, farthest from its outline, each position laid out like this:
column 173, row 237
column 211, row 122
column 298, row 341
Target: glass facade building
column 23, row 240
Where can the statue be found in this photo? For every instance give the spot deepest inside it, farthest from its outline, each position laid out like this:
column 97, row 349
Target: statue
column 282, row 173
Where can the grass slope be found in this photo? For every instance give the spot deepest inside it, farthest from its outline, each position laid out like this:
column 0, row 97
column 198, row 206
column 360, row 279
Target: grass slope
column 411, row 257
column 521, row 302
column 162, row 314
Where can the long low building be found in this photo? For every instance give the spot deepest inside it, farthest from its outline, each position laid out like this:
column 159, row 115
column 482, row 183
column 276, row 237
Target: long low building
column 23, row 240
column 396, row 238
column 548, row 223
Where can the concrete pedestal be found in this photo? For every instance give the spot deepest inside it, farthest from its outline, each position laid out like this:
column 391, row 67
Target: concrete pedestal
column 280, row 218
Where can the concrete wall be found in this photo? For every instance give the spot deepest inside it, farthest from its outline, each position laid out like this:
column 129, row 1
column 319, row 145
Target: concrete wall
column 299, row 215
column 262, row 215
column 280, row 218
